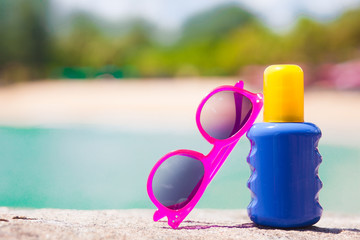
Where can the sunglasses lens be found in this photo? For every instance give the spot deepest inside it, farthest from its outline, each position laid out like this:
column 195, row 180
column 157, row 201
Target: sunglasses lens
column 177, row 180
column 225, row 113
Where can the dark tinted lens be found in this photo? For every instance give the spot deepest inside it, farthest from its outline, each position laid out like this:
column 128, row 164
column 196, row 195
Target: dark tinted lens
column 225, row 113
column 177, row 180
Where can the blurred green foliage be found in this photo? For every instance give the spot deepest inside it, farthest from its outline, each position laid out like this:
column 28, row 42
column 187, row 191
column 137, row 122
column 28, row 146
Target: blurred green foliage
column 220, row 41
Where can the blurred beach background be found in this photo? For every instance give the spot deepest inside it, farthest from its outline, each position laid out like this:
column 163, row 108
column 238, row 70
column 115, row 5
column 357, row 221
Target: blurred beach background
column 93, row 93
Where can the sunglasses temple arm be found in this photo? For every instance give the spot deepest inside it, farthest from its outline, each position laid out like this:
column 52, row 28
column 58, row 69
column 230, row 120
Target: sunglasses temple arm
column 219, row 155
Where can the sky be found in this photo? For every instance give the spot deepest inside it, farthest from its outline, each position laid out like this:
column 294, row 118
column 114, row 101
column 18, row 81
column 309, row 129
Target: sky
column 171, row 14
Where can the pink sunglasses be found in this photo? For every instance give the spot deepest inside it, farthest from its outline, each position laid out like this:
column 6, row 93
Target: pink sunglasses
column 179, row 179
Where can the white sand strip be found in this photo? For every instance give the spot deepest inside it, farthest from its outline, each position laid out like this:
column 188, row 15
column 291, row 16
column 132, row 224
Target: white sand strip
column 155, row 106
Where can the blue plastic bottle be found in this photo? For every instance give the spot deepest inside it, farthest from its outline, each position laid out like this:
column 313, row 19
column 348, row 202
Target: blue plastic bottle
column 284, row 158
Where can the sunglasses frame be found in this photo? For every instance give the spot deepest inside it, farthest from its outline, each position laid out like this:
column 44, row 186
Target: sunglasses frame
column 211, row 162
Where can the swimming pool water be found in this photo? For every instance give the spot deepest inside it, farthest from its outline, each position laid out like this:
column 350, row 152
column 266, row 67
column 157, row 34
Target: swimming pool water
column 88, row 168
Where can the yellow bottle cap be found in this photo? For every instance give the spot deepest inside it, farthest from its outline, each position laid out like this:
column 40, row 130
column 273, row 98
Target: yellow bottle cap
column 283, row 94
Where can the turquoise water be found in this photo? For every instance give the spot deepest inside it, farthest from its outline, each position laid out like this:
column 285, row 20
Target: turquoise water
column 85, row 168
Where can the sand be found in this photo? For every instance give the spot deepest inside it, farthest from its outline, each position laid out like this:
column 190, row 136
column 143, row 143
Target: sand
column 156, row 105
column 138, row 224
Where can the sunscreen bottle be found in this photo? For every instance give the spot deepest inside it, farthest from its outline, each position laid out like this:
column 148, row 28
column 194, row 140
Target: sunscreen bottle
column 284, row 158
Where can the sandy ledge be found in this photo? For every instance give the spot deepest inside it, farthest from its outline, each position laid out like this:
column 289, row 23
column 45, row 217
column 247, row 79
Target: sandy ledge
column 138, row 224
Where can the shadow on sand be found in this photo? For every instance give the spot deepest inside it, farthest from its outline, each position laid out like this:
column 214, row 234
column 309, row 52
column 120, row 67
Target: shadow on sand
column 206, row 225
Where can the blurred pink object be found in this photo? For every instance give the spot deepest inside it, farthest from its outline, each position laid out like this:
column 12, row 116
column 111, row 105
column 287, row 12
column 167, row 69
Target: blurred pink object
column 340, row 76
